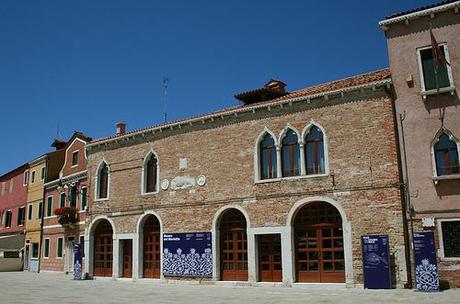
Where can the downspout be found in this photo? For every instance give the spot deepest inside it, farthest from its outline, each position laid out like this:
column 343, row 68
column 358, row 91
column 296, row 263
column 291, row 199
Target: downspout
column 404, row 188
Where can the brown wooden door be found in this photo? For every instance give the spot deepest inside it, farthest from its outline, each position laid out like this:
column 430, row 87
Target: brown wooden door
column 152, row 248
column 270, row 265
column 234, row 256
column 319, row 244
column 127, row 250
column 103, row 242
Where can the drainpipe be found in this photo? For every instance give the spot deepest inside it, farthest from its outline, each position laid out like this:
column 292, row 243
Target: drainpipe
column 40, row 246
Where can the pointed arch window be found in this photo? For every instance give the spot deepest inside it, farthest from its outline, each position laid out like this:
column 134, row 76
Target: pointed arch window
column 290, row 154
column 314, row 151
column 150, row 174
column 446, row 155
column 268, row 164
column 103, row 181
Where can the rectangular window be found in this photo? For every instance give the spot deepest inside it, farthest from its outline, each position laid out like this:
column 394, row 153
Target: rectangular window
column 46, row 253
column 49, row 206
column 60, row 244
column 29, row 216
column 432, row 77
column 8, row 217
column 62, row 200
column 34, row 250
column 42, row 173
column 11, row 185
column 40, row 210
column 26, row 178
column 32, row 177
column 451, row 238
column 21, row 216
column 74, row 158
column 83, row 199
column 82, row 245
column 73, row 196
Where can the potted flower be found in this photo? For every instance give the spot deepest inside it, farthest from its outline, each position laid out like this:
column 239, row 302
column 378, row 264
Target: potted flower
column 67, row 215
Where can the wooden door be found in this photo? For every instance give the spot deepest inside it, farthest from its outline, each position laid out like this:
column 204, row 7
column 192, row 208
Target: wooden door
column 270, row 264
column 233, row 244
column 127, row 250
column 103, row 256
column 152, row 248
column 319, row 244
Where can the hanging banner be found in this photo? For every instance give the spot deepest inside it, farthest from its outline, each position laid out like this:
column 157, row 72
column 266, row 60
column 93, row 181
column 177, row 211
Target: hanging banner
column 77, row 262
column 187, row 254
column 376, row 261
column 426, row 269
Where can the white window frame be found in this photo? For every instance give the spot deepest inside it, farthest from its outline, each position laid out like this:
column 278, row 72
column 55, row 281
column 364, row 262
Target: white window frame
column 441, row 239
column 71, row 161
column 305, row 131
column 32, row 251
column 300, row 142
column 60, row 199
column 32, row 177
column 44, row 248
column 437, row 177
column 143, row 173
column 42, row 173
column 25, row 210
column 257, row 169
column 79, row 240
column 57, row 248
column 52, row 204
column 96, row 182
column 25, row 179
column 450, row 88
column 11, row 218
column 81, row 198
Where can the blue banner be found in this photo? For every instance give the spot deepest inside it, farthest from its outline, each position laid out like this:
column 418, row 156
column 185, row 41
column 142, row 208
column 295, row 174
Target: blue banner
column 187, row 254
column 77, row 262
column 376, row 261
column 426, row 269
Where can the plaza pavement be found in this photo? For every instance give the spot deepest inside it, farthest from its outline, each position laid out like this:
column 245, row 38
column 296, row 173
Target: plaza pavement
column 25, row 287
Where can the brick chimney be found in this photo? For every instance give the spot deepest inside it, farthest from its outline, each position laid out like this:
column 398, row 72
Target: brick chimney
column 121, row 128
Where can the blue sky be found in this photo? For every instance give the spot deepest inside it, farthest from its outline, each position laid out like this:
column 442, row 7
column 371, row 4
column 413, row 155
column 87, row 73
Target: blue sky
column 85, row 65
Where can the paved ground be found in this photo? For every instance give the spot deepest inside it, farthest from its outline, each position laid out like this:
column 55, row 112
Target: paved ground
column 23, row 287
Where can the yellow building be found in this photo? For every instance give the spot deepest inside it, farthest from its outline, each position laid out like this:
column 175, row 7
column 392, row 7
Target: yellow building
column 34, row 213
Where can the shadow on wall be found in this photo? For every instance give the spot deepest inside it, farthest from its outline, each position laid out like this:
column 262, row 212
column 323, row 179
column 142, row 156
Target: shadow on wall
column 448, row 187
column 423, row 24
column 441, row 101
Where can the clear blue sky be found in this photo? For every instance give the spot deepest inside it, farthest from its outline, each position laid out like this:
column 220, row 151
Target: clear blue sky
column 89, row 64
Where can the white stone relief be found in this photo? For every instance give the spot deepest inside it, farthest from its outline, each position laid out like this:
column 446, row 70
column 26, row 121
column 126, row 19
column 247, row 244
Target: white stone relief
column 201, row 180
column 165, row 184
column 182, row 182
column 183, row 163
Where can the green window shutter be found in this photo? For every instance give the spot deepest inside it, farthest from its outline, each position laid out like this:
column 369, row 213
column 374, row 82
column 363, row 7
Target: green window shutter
column 429, row 75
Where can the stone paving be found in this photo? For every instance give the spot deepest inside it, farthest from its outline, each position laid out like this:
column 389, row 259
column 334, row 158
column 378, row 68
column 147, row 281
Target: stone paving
column 24, row 287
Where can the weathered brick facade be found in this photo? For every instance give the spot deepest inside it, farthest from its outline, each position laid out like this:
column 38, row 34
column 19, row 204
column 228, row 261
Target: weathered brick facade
column 362, row 180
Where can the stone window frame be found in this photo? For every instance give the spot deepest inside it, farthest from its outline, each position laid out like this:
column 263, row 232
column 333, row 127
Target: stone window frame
column 301, row 146
column 96, row 181
column 46, row 216
column 74, row 163
column 437, row 177
column 25, row 179
column 143, row 173
column 441, row 239
column 312, row 123
column 424, row 92
column 57, row 248
column 81, row 199
column 46, row 257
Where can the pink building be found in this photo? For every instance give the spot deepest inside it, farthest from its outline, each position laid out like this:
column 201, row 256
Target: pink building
column 428, row 110
column 13, row 201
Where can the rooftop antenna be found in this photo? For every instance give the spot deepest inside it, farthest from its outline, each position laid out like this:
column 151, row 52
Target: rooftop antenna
column 165, row 98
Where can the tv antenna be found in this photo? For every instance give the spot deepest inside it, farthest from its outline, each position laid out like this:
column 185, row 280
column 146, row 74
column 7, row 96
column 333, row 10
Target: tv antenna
column 165, row 98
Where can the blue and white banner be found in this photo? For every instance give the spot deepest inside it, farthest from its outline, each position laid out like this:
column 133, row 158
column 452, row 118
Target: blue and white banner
column 77, row 262
column 426, row 269
column 376, row 261
column 187, row 254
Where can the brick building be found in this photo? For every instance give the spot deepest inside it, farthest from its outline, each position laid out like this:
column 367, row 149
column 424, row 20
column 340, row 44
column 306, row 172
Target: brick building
column 65, row 203
column 427, row 105
column 286, row 183
column 13, row 201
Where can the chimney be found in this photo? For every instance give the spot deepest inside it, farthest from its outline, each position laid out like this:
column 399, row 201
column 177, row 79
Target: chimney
column 121, row 128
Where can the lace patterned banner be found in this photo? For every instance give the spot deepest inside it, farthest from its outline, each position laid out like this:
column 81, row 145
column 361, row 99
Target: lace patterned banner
column 426, row 269
column 187, row 254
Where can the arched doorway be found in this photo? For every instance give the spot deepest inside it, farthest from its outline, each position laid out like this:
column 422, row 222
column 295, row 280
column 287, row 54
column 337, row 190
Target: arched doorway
column 151, row 247
column 318, row 237
column 233, row 246
column 103, row 249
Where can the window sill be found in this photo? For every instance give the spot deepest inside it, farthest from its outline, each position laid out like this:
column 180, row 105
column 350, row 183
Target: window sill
column 443, row 259
column 50, row 217
column 262, row 181
column 450, row 90
column 436, row 179
column 101, row 200
column 149, row 193
column 74, row 166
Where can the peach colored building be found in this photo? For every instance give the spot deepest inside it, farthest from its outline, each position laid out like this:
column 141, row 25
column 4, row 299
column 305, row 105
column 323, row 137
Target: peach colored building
column 427, row 110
